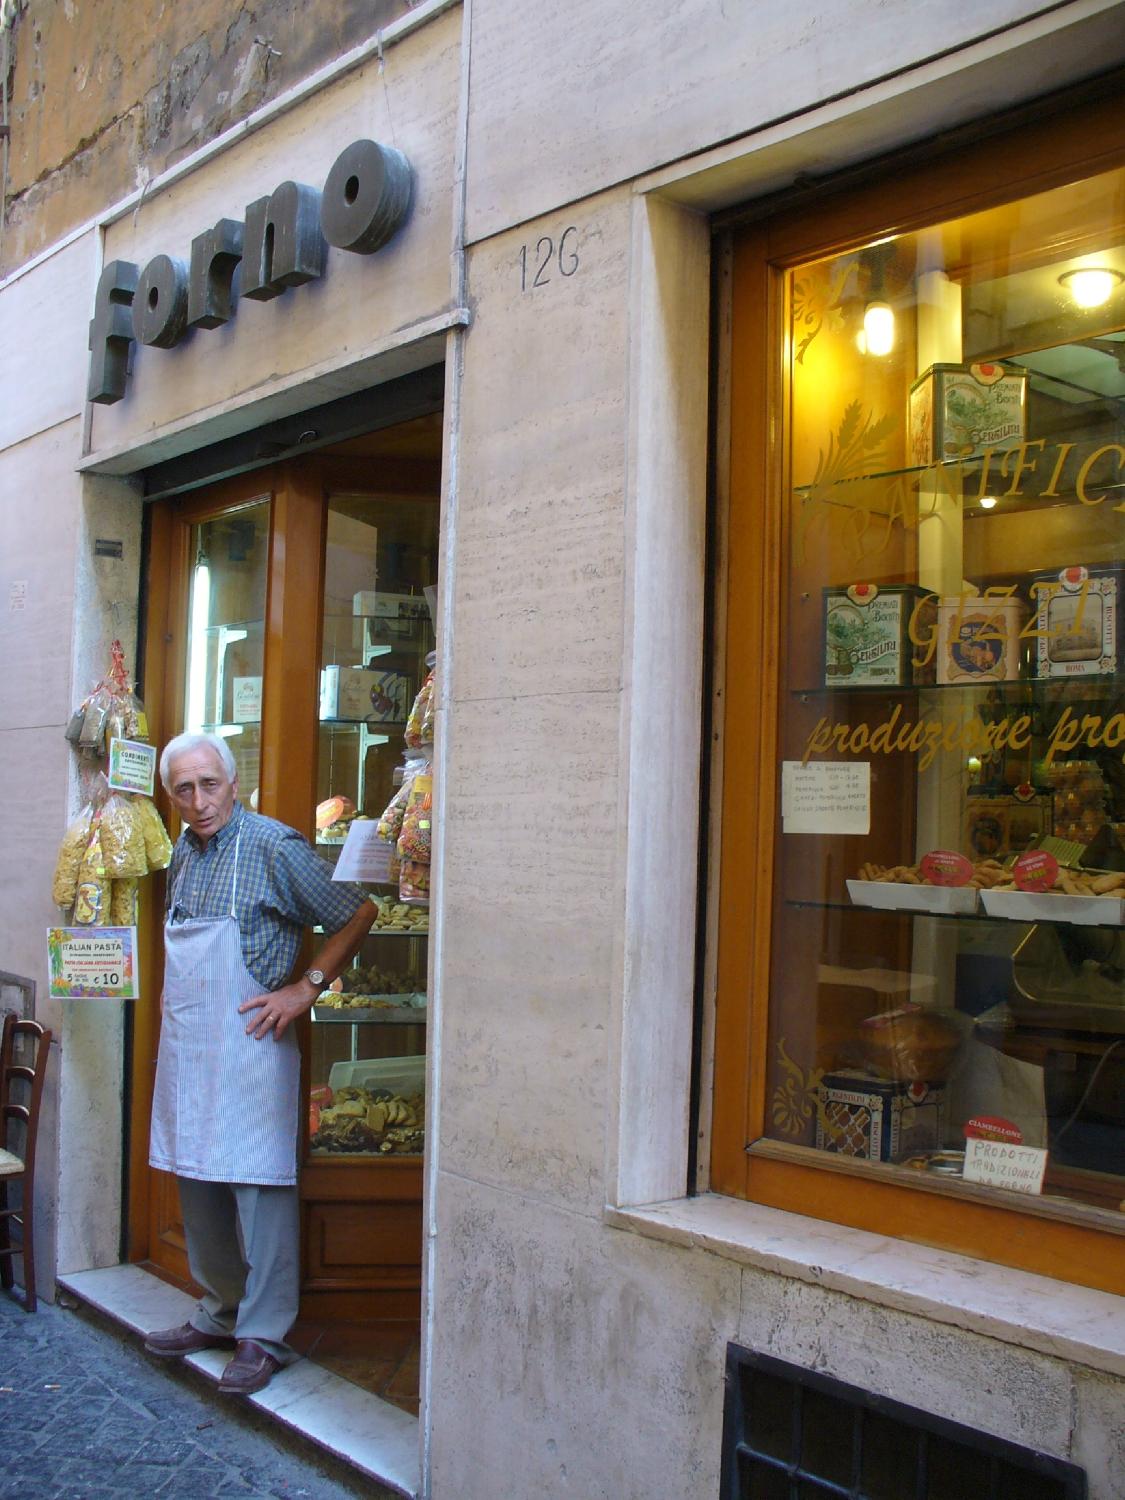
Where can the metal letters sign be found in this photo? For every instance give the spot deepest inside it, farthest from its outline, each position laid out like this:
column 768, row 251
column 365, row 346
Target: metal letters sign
column 282, row 243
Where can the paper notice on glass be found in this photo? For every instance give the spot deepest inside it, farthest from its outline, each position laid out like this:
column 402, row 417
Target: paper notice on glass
column 364, row 857
column 826, row 796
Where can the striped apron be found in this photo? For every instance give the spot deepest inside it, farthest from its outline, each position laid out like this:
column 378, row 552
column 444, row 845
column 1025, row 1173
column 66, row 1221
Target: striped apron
column 224, row 1106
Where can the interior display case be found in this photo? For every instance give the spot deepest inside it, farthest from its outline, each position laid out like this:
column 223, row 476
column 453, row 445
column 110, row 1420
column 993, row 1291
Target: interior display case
column 937, row 917
column 367, row 1050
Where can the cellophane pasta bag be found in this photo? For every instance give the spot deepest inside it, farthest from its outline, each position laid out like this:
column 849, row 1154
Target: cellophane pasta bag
column 64, row 886
column 123, row 840
column 415, row 733
column 158, row 846
column 414, row 840
column 123, row 903
column 91, row 899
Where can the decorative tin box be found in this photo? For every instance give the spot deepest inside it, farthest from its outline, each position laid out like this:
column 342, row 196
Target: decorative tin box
column 958, row 411
column 979, row 639
column 868, row 636
column 1001, row 823
column 355, row 693
column 858, row 1115
column 1076, row 622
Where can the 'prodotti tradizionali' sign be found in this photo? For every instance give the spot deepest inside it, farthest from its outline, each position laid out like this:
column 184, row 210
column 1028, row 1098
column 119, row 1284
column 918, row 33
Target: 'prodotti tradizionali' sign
column 281, row 242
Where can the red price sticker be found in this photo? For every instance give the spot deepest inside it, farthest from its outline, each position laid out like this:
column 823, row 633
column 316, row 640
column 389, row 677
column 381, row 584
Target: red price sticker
column 993, row 1128
column 1035, row 871
column 946, row 867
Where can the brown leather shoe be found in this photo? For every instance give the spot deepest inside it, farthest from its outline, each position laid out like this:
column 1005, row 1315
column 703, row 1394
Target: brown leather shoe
column 251, row 1369
column 170, row 1343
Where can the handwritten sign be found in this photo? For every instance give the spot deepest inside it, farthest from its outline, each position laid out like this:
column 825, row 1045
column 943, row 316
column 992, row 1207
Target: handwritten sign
column 826, row 796
column 92, row 963
column 132, row 766
column 365, row 857
column 1004, row 1164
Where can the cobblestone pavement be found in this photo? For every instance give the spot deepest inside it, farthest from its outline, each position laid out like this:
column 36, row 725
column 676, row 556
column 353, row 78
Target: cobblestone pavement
column 86, row 1415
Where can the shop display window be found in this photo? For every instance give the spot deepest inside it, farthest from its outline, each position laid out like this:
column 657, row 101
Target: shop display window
column 944, row 1005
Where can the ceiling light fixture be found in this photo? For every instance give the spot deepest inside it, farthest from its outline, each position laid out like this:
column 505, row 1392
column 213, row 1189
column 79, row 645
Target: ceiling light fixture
column 1091, row 286
column 987, row 502
column 879, row 327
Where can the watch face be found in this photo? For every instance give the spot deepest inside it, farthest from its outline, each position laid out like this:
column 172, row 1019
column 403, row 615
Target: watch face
column 316, row 975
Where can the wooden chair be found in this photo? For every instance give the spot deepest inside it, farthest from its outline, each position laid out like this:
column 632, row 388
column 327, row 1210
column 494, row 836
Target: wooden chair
column 23, row 1078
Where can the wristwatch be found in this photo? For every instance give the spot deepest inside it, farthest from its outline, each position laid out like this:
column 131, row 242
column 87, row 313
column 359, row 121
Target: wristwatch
column 318, row 977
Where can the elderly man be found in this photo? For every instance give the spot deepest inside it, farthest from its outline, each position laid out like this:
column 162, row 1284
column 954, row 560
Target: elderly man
column 241, row 889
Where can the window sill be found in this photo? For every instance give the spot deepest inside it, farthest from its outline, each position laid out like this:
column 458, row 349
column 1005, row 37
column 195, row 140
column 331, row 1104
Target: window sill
column 1034, row 1312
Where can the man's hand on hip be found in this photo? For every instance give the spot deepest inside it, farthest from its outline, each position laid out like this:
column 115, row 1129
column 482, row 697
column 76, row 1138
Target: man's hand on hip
column 276, row 1010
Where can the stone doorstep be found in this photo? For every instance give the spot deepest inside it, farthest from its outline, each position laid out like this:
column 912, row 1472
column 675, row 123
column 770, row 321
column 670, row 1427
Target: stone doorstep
column 379, row 1440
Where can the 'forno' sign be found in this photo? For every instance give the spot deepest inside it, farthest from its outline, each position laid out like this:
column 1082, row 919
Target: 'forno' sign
column 282, row 242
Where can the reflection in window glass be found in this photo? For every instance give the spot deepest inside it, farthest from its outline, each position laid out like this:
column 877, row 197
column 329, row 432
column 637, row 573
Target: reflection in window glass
column 227, row 604
column 949, row 950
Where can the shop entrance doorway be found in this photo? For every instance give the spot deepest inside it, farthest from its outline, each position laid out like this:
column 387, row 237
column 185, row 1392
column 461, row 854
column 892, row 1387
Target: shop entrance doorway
column 291, row 610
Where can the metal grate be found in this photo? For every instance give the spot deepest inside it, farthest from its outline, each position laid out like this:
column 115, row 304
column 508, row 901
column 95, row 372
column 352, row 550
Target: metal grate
column 791, row 1434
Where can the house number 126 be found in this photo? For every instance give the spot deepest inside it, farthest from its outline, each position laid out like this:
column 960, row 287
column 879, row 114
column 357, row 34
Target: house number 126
column 535, row 267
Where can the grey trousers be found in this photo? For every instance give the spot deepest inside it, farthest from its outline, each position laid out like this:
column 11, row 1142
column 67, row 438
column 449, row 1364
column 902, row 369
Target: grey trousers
column 243, row 1250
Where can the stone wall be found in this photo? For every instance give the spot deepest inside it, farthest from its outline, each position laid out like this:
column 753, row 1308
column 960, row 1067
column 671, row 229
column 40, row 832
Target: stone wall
column 105, row 96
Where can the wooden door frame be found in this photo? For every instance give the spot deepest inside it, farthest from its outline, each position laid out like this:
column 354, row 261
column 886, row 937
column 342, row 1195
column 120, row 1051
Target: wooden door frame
column 297, row 490
column 165, row 665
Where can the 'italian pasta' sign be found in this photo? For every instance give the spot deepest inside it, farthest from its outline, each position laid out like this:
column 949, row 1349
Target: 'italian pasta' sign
column 99, row 963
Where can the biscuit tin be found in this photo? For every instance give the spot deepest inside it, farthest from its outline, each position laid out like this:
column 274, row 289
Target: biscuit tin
column 1076, row 628
column 979, row 639
column 872, row 633
column 876, row 1119
column 959, row 411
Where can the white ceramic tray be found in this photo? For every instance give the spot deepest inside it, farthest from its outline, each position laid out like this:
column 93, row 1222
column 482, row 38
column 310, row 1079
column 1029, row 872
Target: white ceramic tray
column 1045, row 906
column 889, row 895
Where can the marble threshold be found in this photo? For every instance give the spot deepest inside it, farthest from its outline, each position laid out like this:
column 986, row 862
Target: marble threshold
column 369, row 1434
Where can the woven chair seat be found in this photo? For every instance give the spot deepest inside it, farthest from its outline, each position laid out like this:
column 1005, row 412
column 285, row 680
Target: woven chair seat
column 9, row 1163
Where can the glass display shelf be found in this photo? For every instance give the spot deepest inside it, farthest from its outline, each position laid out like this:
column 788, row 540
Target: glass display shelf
column 980, row 915
column 397, row 932
column 1100, row 688
column 229, row 628
column 387, row 1013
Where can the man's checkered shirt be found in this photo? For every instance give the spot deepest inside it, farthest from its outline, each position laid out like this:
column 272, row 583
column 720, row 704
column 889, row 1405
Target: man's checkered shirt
column 283, row 887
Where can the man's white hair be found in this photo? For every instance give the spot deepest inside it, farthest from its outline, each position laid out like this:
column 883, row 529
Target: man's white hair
column 183, row 743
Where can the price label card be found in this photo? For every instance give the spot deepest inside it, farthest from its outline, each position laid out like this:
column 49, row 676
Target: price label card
column 1035, row 871
column 132, row 766
column 92, row 963
column 946, row 867
column 826, row 796
column 1004, row 1164
column 364, row 857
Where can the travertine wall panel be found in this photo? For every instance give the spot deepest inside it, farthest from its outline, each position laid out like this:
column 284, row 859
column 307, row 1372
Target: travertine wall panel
column 44, row 314
column 532, row 779
column 530, row 805
column 569, row 99
column 39, row 511
column 360, row 300
column 979, row 1381
column 577, row 1372
column 540, row 500
column 33, row 792
column 106, row 94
